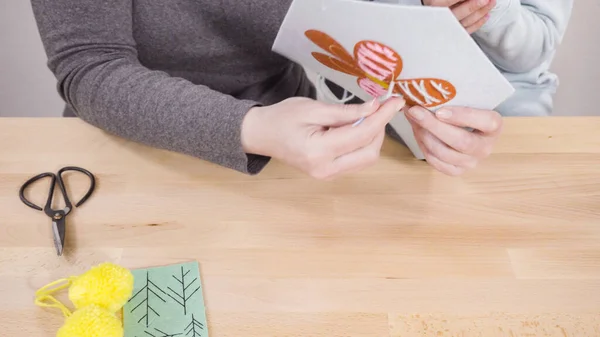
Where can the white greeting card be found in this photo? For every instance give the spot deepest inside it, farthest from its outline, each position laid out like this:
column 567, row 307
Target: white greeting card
column 366, row 47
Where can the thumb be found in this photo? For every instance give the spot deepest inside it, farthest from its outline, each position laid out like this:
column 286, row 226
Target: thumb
column 335, row 115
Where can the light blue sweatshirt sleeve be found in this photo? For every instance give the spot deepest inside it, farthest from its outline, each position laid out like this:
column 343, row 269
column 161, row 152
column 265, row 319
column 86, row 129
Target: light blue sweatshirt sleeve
column 521, row 35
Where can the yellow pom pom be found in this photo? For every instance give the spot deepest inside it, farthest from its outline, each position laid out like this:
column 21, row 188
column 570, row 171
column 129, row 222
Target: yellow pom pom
column 106, row 285
column 91, row 321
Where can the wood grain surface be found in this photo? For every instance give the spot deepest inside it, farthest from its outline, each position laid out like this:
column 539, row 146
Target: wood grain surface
column 510, row 249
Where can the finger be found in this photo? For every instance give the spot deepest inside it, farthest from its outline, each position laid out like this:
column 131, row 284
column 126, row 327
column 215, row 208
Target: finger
column 443, row 3
column 432, row 160
column 359, row 159
column 473, row 28
column 455, row 137
column 444, row 153
column 347, row 138
column 334, row 115
column 432, row 155
column 486, row 121
column 466, row 8
column 479, row 15
column 443, row 167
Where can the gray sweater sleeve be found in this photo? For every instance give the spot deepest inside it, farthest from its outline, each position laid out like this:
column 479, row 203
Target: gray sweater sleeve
column 92, row 53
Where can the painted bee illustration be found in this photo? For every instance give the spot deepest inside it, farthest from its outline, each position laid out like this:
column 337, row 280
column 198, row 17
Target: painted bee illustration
column 376, row 67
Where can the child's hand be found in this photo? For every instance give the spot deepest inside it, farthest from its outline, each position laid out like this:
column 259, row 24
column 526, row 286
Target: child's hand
column 472, row 14
column 447, row 146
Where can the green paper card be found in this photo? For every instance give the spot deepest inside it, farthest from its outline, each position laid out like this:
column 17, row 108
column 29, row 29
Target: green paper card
column 166, row 302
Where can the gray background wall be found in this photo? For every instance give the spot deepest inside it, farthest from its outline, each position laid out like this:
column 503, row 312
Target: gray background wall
column 27, row 88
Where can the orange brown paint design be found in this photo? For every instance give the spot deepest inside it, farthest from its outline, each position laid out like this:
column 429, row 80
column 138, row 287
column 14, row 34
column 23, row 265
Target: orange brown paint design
column 376, row 67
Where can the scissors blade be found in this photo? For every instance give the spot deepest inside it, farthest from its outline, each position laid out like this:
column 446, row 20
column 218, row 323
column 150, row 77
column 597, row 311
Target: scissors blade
column 58, row 230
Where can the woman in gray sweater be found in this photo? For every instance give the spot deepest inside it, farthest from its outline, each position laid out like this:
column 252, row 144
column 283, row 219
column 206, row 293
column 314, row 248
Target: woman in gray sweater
column 199, row 77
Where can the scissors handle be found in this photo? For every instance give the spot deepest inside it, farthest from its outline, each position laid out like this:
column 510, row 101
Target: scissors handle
column 57, row 177
column 31, row 181
column 84, row 171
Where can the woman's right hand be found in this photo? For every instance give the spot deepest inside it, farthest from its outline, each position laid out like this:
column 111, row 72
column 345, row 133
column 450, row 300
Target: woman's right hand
column 319, row 138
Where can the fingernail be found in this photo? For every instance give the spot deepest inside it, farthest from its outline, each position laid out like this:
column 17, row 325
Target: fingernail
column 400, row 105
column 417, row 113
column 483, row 2
column 443, row 114
column 494, row 125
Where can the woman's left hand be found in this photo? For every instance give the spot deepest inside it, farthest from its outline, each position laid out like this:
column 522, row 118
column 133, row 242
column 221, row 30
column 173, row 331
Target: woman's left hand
column 447, row 146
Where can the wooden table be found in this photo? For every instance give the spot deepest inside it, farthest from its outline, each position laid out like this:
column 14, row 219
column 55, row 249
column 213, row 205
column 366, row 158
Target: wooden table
column 511, row 249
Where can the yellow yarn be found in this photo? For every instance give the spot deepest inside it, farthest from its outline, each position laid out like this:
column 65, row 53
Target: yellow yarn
column 43, row 296
column 106, row 285
column 97, row 294
column 91, row 321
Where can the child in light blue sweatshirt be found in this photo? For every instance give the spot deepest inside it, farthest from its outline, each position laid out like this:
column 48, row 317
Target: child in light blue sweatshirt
column 521, row 38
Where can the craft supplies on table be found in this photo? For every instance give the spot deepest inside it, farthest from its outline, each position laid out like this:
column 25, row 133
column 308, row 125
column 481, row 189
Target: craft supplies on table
column 112, row 301
column 58, row 217
column 167, row 302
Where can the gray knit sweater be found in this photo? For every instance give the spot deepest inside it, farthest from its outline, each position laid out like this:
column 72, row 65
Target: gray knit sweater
column 178, row 75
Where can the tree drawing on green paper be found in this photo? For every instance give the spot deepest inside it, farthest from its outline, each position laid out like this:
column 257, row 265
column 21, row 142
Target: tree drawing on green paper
column 194, row 329
column 160, row 333
column 185, row 293
column 148, row 292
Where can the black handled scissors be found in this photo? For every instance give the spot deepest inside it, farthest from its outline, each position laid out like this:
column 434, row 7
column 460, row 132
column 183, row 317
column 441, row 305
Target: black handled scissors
column 58, row 216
